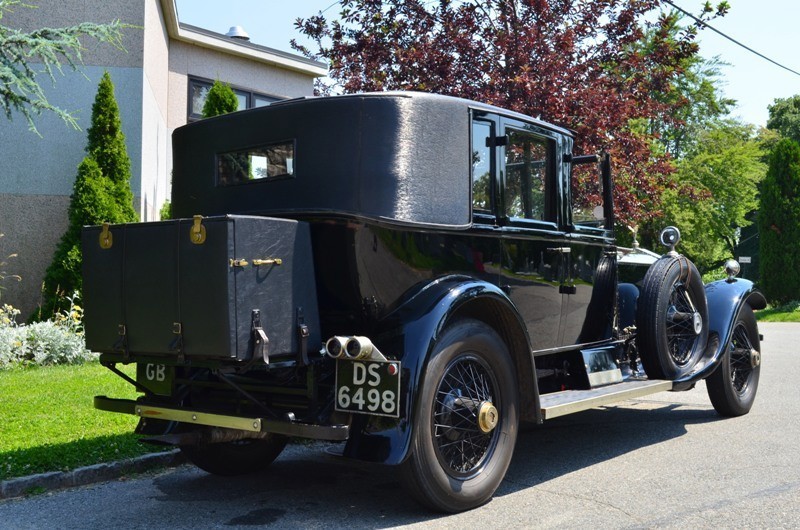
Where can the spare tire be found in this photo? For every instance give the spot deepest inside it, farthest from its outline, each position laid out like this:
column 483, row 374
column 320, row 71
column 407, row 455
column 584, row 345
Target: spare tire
column 671, row 318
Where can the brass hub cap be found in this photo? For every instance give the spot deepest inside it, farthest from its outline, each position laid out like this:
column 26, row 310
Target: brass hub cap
column 487, row 417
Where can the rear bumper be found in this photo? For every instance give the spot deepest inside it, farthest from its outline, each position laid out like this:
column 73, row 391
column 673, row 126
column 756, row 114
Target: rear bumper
column 336, row 433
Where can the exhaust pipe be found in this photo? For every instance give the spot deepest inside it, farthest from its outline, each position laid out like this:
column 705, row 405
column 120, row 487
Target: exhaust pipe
column 352, row 348
column 335, row 347
column 358, row 348
column 362, row 348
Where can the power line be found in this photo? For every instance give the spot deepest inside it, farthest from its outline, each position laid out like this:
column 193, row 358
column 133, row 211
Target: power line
column 330, row 6
column 715, row 30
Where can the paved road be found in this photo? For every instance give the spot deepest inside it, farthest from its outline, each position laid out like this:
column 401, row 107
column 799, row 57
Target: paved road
column 666, row 461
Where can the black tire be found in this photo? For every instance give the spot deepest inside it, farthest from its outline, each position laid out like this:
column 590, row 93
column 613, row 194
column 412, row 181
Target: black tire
column 733, row 385
column 671, row 318
column 231, row 459
column 600, row 313
column 470, row 371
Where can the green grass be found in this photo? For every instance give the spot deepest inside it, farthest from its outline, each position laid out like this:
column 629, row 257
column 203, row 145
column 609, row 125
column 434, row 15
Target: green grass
column 48, row 423
column 786, row 313
column 773, row 315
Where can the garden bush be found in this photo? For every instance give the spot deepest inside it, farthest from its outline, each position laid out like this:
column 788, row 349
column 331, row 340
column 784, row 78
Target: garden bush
column 56, row 341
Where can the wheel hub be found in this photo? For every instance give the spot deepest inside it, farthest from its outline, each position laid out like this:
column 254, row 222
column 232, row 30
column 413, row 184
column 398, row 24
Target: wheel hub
column 488, row 417
column 697, row 321
column 755, row 358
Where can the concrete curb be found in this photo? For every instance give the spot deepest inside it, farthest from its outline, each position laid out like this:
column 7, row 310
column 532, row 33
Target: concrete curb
column 17, row 487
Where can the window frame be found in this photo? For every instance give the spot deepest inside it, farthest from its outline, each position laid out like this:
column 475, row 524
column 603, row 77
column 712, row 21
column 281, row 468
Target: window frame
column 249, row 95
column 485, row 216
column 248, row 150
column 553, row 184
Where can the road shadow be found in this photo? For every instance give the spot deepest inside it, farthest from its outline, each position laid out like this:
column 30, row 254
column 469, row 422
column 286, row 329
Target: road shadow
column 567, row 444
column 310, row 485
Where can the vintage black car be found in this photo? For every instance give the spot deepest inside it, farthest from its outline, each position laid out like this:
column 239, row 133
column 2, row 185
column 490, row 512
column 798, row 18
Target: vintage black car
column 408, row 274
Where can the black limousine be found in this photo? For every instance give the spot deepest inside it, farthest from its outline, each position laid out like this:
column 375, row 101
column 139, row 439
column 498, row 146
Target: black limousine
column 406, row 274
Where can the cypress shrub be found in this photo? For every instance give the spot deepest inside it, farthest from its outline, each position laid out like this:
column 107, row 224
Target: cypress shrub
column 106, row 144
column 101, row 193
column 779, row 225
column 221, row 99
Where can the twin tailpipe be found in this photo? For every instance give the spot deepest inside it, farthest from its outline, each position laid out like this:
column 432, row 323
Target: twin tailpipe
column 353, row 348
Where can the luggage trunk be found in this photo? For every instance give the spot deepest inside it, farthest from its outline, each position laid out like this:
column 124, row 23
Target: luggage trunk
column 200, row 287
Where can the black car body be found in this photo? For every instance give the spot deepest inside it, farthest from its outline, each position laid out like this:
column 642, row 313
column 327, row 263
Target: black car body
column 403, row 272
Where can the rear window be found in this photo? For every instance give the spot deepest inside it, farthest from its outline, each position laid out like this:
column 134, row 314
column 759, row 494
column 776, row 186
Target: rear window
column 266, row 162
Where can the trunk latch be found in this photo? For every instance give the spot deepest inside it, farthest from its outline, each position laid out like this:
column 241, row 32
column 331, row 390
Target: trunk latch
column 197, row 233
column 260, row 339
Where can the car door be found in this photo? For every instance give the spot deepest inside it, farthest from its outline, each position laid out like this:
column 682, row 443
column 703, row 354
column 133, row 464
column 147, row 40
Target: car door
column 535, row 256
column 592, row 269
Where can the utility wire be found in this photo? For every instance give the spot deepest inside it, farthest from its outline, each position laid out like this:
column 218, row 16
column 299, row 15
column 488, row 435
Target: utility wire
column 715, row 30
column 330, row 6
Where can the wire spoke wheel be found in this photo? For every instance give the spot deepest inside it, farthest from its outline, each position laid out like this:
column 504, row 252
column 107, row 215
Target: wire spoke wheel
column 740, row 359
column 733, row 385
column 461, row 445
column 671, row 318
column 465, row 424
column 681, row 317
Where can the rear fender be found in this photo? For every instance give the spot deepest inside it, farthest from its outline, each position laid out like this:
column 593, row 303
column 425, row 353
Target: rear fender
column 726, row 298
column 411, row 332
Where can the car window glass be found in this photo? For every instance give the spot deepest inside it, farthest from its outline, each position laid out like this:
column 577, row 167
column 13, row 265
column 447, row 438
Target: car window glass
column 481, row 167
column 526, row 167
column 268, row 162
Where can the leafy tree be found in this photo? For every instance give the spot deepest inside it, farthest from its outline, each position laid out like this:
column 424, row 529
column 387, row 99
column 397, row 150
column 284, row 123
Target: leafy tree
column 723, row 171
column 784, row 117
column 779, row 224
column 101, row 193
column 221, row 99
column 20, row 90
column 694, row 101
column 166, row 211
column 580, row 64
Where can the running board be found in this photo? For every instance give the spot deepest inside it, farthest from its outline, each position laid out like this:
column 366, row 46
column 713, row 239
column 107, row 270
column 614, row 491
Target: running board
column 570, row 401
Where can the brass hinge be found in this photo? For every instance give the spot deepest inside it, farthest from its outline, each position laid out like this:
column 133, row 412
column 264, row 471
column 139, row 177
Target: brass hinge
column 239, row 262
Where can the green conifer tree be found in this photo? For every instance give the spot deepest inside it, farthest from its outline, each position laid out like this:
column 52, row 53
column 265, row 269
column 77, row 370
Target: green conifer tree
column 101, row 193
column 221, row 99
column 24, row 56
column 106, row 144
column 779, row 225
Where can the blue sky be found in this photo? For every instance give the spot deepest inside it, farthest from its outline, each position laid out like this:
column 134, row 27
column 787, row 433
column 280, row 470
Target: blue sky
column 770, row 27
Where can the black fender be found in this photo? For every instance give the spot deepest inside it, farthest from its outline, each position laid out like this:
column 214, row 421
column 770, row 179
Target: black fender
column 627, row 296
column 411, row 333
column 725, row 300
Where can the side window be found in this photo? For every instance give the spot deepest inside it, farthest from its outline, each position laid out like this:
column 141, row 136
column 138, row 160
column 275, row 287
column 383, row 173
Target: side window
column 527, row 165
column 268, row 162
column 481, row 167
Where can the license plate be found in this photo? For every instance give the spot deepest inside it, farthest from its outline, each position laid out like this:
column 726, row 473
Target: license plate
column 368, row 387
column 156, row 377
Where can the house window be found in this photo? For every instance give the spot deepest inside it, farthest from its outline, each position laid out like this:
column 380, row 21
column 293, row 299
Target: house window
column 198, row 91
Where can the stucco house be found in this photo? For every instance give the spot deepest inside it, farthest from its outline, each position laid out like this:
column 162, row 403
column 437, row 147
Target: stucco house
column 161, row 79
